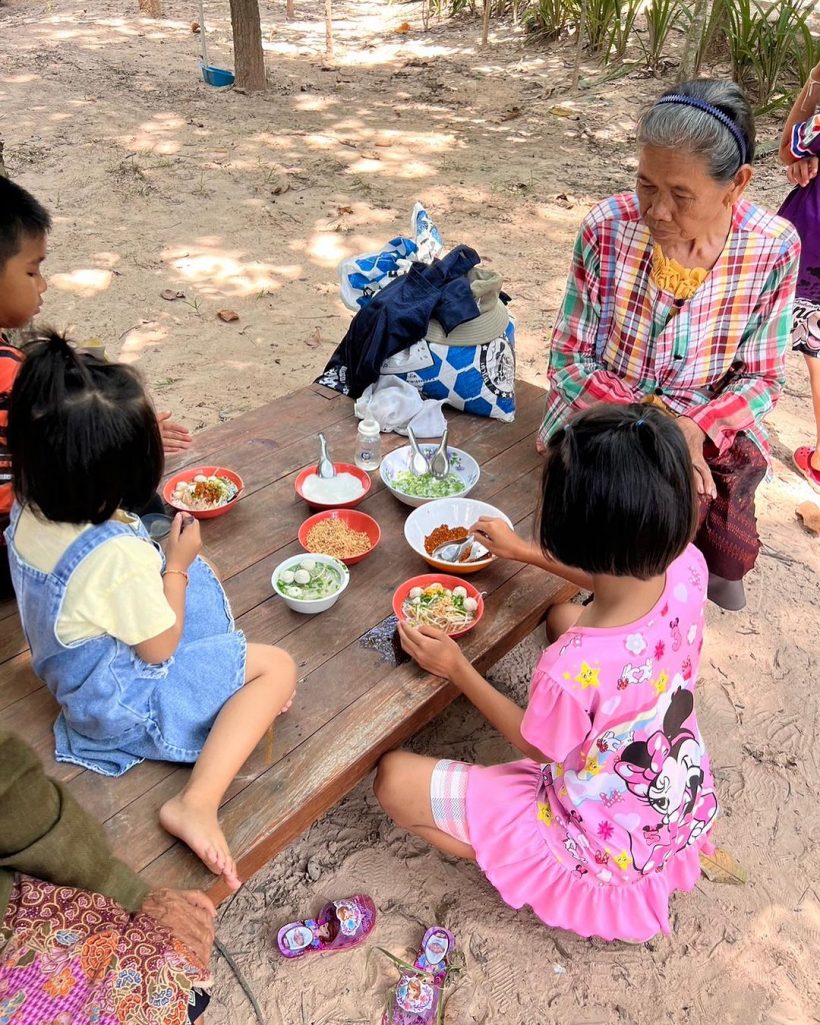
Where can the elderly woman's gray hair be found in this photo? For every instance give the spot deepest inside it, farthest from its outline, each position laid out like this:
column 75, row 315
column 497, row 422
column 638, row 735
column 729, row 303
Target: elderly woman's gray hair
column 692, row 130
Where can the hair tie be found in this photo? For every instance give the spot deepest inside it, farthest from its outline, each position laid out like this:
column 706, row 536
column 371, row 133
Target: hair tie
column 639, row 423
column 715, row 112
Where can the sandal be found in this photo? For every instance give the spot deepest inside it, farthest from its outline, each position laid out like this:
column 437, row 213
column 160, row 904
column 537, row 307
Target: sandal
column 802, row 460
column 418, row 993
column 340, row 925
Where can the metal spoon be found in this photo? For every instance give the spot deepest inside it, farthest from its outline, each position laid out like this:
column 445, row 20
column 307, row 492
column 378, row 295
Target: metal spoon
column 451, row 551
column 418, row 464
column 440, row 463
column 325, row 468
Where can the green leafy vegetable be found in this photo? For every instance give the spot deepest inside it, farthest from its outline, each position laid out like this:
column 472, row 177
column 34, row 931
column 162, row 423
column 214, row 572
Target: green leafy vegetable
column 427, row 486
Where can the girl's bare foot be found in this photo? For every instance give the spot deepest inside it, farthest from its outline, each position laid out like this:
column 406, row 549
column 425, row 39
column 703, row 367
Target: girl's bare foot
column 198, row 827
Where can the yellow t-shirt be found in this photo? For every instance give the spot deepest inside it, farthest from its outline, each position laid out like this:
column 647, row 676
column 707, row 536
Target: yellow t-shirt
column 116, row 590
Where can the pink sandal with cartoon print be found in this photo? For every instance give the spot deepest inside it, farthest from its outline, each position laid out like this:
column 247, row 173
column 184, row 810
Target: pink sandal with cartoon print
column 417, row 997
column 340, row 925
column 802, row 460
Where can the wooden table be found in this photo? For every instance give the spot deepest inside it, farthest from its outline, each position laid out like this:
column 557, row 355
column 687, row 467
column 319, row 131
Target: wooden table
column 356, row 699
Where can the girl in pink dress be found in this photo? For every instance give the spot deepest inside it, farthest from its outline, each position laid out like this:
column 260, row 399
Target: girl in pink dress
column 605, row 815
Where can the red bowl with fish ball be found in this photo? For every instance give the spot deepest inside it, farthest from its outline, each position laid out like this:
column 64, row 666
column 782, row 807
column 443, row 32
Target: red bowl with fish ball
column 403, row 591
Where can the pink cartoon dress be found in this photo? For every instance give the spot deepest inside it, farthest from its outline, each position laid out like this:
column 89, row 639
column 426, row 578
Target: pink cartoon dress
column 596, row 840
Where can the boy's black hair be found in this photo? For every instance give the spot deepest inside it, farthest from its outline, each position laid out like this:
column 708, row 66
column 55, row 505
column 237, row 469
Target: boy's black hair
column 82, row 435
column 20, row 216
column 618, row 492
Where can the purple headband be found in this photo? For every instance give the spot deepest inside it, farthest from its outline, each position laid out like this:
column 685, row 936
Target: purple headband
column 707, row 108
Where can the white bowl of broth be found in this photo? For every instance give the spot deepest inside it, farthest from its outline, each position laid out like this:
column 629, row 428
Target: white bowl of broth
column 310, row 583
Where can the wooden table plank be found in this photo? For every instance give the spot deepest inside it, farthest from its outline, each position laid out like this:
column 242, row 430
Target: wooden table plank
column 285, row 800
column 345, row 687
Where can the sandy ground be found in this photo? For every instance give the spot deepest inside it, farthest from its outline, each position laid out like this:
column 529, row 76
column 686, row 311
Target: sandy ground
column 158, row 182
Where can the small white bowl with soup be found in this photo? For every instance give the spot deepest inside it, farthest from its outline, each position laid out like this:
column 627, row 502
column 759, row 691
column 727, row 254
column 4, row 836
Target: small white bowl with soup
column 310, row 583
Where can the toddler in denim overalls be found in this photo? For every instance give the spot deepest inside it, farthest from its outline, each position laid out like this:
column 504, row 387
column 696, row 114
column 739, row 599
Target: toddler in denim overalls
column 192, row 689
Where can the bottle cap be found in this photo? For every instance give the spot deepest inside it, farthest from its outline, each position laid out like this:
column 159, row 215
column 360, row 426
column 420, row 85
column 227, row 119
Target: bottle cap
column 370, row 426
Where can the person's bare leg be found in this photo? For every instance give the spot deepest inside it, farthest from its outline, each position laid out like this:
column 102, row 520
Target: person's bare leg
column 270, row 679
column 402, row 788
column 813, row 366
column 561, row 618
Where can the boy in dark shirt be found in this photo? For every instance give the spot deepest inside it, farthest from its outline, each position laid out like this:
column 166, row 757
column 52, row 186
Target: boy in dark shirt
column 24, row 228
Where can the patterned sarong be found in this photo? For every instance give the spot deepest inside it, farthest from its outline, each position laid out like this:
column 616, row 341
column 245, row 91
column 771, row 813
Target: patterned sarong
column 72, row 957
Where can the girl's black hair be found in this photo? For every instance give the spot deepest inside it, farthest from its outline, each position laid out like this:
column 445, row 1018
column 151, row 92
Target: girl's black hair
column 83, row 436
column 618, row 492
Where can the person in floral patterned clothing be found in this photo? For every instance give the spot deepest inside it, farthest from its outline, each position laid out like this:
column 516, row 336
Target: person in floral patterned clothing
column 82, row 939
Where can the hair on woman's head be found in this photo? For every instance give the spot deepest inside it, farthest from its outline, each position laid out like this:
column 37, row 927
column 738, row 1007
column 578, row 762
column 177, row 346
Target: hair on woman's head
column 618, row 492
column 689, row 129
column 83, row 436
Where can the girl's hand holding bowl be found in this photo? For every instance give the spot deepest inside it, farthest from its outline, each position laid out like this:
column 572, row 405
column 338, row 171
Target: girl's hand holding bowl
column 431, row 649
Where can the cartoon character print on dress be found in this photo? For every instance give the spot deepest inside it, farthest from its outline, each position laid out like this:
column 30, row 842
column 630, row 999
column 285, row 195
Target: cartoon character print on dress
column 677, row 636
column 637, row 673
column 665, row 771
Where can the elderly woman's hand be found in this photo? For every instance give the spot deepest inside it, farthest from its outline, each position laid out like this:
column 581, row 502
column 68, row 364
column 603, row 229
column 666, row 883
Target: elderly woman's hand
column 704, row 482
column 188, row 914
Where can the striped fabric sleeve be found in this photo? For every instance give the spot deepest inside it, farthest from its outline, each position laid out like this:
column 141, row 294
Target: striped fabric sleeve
column 762, row 351
column 805, row 141
column 575, row 373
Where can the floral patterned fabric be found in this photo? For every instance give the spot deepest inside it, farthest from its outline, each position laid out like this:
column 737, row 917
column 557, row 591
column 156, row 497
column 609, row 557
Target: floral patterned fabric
column 70, row 957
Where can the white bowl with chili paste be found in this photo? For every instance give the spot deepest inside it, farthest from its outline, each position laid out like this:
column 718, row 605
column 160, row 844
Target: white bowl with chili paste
column 448, row 519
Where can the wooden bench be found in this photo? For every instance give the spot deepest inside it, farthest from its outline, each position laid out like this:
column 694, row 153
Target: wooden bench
column 356, row 698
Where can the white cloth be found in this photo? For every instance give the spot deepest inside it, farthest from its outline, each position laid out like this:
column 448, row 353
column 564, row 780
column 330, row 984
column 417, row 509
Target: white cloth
column 396, row 405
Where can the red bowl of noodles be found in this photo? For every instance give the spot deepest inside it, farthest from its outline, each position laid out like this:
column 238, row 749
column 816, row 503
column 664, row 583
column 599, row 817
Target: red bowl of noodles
column 428, row 580
column 188, row 476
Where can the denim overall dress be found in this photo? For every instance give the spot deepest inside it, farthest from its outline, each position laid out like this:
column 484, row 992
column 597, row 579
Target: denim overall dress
column 116, row 709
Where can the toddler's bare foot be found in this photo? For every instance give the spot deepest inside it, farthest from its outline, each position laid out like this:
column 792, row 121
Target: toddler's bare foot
column 198, row 827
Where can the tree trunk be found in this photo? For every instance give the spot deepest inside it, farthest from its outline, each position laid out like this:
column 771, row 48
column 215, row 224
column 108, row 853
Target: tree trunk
column 249, row 58
column 3, row 170
column 485, row 23
column 290, row 13
column 153, row 8
column 693, row 47
column 329, row 31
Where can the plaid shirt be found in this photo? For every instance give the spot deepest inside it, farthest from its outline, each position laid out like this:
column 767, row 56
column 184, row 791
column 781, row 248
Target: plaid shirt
column 718, row 358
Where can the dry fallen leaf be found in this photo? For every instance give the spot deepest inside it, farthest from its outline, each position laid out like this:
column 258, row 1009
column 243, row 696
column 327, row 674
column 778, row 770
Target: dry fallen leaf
column 340, row 210
column 171, row 293
column 195, row 26
column 281, row 186
column 404, row 28
column 315, row 339
column 721, row 867
column 562, row 112
column 809, row 514
column 227, row 315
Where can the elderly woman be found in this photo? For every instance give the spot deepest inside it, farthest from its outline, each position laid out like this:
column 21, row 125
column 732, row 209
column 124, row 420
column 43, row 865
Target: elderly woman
column 680, row 294
column 82, row 938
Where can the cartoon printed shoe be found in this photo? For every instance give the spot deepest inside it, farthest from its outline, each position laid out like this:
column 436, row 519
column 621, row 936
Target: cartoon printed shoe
column 340, row 925
column 418, row 994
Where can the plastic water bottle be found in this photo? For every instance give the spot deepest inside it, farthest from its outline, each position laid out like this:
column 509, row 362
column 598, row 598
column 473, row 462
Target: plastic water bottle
column 368, row 444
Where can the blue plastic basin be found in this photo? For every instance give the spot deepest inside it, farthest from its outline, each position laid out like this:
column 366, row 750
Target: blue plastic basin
column 217, row 76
